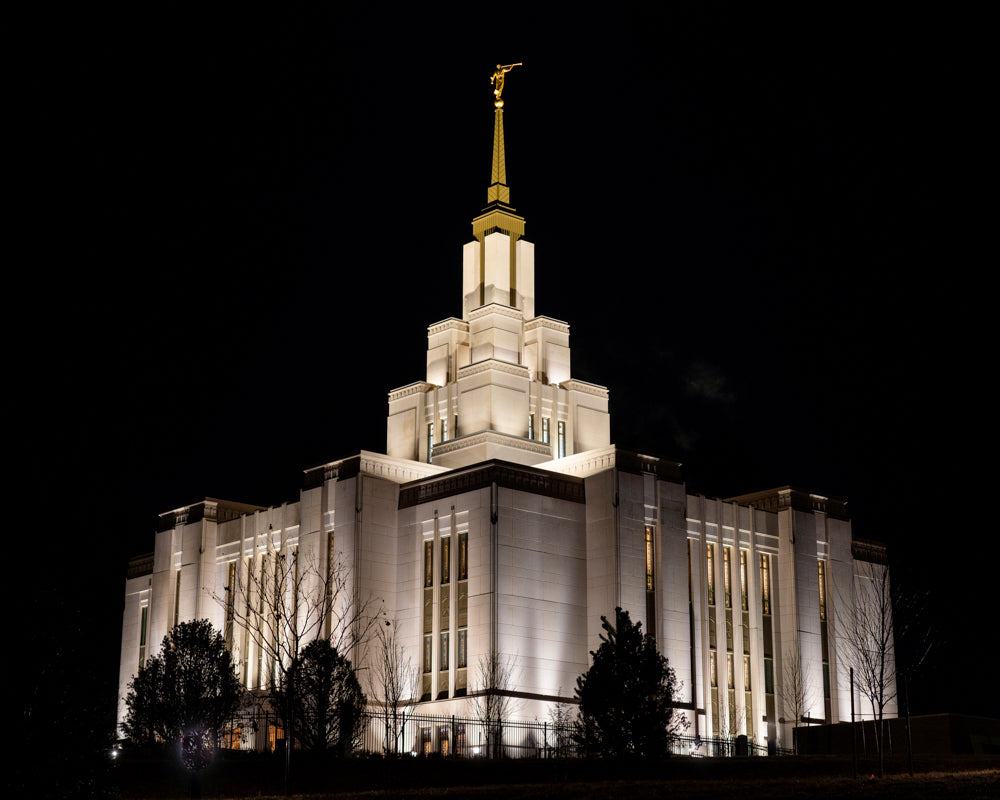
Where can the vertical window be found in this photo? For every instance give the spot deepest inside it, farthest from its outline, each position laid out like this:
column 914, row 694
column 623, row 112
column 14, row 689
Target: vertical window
column 712, row 668
column 444, row 429
column 177, row 598
column 727, row 575
column 427, row 654
column 730, row 672
column 445, row 560
column 463, row 648
column 430, row 440
column 545, row 430
column 463, row 556
column 561, row 440
column 331, row 564
column 765, row 584
column 710, row 562
column 143, row 623
column 649, row 558
column 743, row 581
column 428, row 563
column 531, row 426
column 746, row 672
column 444, row 651
column 822, row 590
column 230, row 603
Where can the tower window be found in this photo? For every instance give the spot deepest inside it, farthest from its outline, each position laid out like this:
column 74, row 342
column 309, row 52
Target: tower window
column 822, row 590
column 545, row 430
column 710, row 562
column 428, row 563
column 649, row 558
column 463, row 556
column 727, row 575
column 561, row 440
column 445, row 560
column 765, row 584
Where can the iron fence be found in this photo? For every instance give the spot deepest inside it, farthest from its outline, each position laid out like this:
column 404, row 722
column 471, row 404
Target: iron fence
column 426, row 735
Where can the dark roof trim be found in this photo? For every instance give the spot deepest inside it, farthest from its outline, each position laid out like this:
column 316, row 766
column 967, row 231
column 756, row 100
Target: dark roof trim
column 481, row 476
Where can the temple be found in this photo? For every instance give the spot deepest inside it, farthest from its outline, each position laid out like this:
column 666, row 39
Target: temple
column 502, row 523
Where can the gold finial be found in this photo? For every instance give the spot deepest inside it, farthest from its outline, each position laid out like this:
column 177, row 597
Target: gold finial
column 497, row 81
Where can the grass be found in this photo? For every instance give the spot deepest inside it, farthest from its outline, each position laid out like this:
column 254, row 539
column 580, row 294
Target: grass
column 261, row 777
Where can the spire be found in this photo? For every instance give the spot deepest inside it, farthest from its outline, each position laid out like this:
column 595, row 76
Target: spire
column 498, row 214
column 498, row 191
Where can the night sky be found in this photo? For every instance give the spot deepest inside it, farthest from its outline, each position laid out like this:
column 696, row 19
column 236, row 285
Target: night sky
column 237, row 225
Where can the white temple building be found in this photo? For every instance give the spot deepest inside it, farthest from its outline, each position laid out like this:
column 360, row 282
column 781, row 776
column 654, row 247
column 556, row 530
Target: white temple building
column 501, row 519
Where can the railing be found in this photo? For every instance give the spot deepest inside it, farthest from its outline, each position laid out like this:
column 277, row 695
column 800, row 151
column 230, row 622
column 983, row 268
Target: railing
column 455, row 737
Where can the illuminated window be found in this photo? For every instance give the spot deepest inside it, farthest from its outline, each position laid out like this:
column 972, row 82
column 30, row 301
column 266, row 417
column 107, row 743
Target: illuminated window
column 746, row 672
column 727, row 575
column 765, row 584
column 177, row 598
column 230, row 603
column 710, row 562
column 743, row 581
column 444, row 651
column 531, row 426
column 561, row 440
column 143, row 624
column 427, row 654
column 425, row 741
column 445, row 560
column 430, row 440
column 822, row 590
column 730, row 673
column 545, row 430
column 463, row 556
column 331, row 566
column 428, row 564
column 444, row 430
column 649, row 558
column 712, row 668
column 463, row 644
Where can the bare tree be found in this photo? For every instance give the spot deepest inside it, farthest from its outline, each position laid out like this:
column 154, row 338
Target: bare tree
column 392, row 679
column 563, row 719
column 278, row 603
column 865, row 626
column 493, row 702
column 795, row 687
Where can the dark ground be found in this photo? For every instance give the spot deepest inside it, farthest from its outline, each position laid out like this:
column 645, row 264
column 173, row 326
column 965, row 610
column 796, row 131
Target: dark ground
column 247, row 775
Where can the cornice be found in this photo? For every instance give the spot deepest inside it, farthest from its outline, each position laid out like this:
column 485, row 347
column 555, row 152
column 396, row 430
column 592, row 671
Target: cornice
column 583, row 387
column 547, row 322
column 414, row 388
column 492, row 437
column 495, row 308
column 492, row 364
column 501, row 473
column 397, row 470
column 450, row 324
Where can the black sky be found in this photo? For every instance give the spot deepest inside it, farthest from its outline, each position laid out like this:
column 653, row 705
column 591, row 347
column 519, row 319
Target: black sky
column 236, row 225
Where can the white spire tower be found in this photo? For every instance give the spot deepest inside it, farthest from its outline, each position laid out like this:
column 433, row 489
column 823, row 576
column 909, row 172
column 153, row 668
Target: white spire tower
column 498, row 380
